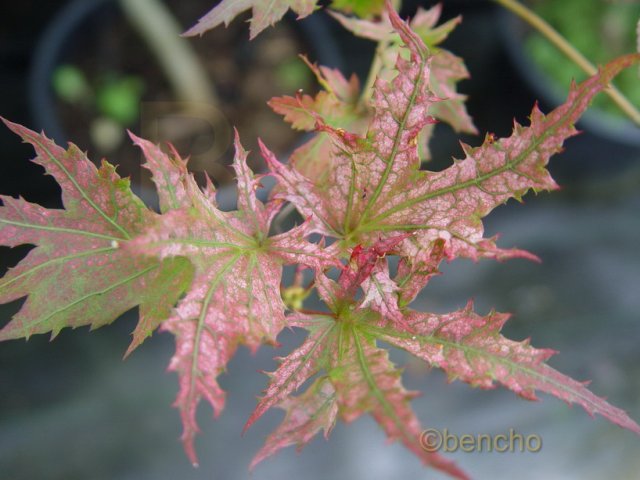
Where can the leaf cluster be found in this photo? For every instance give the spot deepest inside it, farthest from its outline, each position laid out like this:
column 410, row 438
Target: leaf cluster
column 213, row 278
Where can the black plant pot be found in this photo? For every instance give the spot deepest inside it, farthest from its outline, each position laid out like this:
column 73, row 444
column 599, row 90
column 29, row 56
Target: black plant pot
column 80, row 19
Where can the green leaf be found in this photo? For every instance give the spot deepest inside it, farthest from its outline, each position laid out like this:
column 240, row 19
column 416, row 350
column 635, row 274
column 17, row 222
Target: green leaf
column 361, row 8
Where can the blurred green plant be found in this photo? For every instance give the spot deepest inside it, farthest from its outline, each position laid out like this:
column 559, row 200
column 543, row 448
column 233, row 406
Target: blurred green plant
column 112, row 99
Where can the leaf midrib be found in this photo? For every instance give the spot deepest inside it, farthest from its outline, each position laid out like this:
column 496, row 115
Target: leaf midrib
column 386, row 406
column 300, row 365
column 82, row 299
column 60, row 230
column 201, row 322
column 80, row 190
column 511, row 165
column 417, row 85
column 53, row 261
column 433, row 340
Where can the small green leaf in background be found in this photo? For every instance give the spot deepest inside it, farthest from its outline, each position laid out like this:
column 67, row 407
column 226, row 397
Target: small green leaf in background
column 119, row 99
column 70, row 84
column 361, row 8
column 292, row 75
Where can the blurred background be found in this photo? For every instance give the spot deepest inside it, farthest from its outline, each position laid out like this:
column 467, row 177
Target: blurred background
column 86, row 70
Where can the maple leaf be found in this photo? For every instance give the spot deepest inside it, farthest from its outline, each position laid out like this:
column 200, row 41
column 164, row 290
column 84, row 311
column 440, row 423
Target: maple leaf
column 78, row 273
column 423, row 24
column 105, row 252
column 415, row 271
column 469, row 347
column 365, row 171
column 374, row 187
column 357, row 377
column 234, row 298
column 337, row 105
column 265, row 13
column 446, row 69
column 316, row 409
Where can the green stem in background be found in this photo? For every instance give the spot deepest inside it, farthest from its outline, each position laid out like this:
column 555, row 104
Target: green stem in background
column 376, row 65
column 570, row 51
column 374, row 70
column 161, row 32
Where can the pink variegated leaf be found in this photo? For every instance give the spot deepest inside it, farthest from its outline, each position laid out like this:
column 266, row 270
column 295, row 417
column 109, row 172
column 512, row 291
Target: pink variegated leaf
column 446, row 69
column 359, row 379
column 315, row 410
column 79, row 274
column 449, row 204
column 381, row 293
column 469, row 347
column 366, row 381
column 336, row 104
column 419, row 263
column 368, row 269
column 296, row 368
column 265, row 13
column 416, row 268
column 234, row 298
column 176, row 187
column 367, row 168
column 374, row 186
column 362, row 380
column 362, row 262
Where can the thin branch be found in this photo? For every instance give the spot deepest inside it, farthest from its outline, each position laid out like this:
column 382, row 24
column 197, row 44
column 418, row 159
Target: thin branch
column 376, row 65
column 570, row 51
column 374, row 70
column 161, row 32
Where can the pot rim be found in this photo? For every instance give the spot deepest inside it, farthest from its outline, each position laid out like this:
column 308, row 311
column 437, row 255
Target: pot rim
column 313, row 30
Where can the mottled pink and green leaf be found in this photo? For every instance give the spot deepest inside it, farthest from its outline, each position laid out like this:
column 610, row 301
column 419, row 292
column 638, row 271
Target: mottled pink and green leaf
column 212, row 278
column 79, row 273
